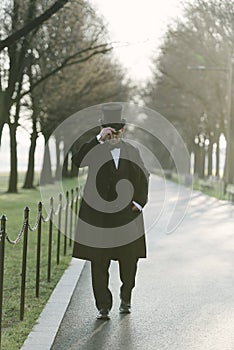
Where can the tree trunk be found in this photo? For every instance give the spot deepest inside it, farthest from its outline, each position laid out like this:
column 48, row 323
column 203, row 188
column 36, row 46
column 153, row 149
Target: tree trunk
column 195, row 166
column 29, row 177
column 58, row 153
column 2, row 113
column 217, row 158
column 5, row 106
column 199, row 161
column 203, row 155
column 231, row 164
column 46, row 172
column 1, row 129
column 13, row 179
column 65, row 172
column 230, row 155
column 210, row 158
column 74, row 170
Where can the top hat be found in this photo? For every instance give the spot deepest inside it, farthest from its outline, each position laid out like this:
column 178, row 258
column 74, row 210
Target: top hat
column 112, row 113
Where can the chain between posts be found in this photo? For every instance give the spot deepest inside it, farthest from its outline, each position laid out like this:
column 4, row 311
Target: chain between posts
column 20, row 234
column 50, row 212
column 23, row 234
column 41, row 217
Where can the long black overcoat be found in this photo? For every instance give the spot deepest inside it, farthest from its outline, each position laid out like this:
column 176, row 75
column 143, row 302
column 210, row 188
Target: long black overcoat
column 107, row 226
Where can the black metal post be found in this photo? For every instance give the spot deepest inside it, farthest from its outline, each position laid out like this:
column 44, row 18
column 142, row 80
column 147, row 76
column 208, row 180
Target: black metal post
column 38, row 249
column 24, row 263
column 2, row 255
column 59, row 228
column 76, row 205
column 50, row 238
column 71, row 217
column 65, row 223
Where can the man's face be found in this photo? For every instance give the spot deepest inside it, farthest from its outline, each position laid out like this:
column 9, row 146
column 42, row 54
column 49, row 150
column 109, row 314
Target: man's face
column 116, row 137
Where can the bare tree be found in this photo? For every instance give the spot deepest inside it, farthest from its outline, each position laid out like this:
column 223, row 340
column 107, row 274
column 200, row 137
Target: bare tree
column 61, row 82
column 193, row 98
column 67, row 38
column 32, row 24
column 102, row 80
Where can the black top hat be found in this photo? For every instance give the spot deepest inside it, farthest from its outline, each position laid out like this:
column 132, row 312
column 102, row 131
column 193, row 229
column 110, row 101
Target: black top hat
column 112, row 115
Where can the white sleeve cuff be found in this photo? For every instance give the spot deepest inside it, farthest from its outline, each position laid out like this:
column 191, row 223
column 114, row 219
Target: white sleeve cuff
column 137, row 205
column 98, row 137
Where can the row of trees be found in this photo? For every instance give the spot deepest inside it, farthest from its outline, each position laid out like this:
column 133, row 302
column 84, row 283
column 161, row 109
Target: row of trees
column 53, row 63
column 191, row 84
column 56, row 58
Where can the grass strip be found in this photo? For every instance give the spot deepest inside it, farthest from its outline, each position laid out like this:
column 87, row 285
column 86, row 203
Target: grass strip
column 14, row 331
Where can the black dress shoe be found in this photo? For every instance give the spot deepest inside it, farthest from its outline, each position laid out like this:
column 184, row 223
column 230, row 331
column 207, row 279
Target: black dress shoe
column 103, row 314
column 125, row 308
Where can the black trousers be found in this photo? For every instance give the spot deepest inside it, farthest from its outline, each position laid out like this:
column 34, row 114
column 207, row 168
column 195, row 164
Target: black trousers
column 100, row 281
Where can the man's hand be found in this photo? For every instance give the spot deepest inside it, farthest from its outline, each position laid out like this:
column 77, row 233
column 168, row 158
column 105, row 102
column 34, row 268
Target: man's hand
column 134, row 208
column 106, row 133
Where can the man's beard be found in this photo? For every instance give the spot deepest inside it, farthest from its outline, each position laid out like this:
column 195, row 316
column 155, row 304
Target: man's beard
column 114, row 141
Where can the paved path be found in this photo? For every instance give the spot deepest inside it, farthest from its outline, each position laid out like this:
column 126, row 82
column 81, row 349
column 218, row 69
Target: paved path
column 184, row 296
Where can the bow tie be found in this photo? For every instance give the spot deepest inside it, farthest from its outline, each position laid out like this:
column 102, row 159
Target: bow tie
column 111, row 147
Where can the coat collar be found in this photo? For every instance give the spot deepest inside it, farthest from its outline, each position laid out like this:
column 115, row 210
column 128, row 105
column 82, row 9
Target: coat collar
column 123, row 154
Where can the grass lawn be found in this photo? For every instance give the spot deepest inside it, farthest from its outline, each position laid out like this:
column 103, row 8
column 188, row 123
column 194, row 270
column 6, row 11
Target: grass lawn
column 14, row 331
column 213, row 188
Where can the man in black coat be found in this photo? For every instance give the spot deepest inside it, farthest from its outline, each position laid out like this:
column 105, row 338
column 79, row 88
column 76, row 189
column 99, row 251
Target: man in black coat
column 110, row 224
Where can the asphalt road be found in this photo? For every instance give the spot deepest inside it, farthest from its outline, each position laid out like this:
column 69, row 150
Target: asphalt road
column 184, row 295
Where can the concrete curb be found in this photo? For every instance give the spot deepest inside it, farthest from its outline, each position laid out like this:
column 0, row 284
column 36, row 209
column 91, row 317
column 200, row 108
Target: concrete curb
column 44, row 332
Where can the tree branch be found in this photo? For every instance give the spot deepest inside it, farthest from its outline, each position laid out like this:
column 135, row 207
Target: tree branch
column 32, row 24
column 102, row 48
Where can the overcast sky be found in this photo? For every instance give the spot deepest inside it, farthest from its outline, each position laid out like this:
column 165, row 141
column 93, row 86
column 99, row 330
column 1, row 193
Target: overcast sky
column 142, row 24
column 139, row 23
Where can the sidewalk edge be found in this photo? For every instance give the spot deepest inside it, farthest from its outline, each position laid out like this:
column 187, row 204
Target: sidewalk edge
column 44, row 332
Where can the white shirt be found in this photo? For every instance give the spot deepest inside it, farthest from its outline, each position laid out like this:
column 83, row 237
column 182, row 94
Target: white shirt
column 115, row 152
